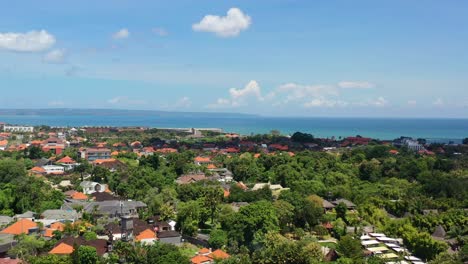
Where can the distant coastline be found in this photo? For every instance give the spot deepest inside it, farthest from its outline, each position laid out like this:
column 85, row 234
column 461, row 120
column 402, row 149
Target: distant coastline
column 434, row 129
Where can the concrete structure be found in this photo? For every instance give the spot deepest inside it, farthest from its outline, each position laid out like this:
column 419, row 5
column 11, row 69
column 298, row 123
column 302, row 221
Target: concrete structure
column 21, row 129
column 90, row 187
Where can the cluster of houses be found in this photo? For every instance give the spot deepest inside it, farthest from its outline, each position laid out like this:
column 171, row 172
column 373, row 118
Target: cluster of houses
column 388, row 248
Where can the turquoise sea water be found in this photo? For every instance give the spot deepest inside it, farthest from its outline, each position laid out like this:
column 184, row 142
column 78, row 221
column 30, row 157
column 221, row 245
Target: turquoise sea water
column 381, row 128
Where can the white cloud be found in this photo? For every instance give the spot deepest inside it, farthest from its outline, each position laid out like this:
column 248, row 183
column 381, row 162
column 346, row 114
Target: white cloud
column 322, row 102
column 251, row 89
column 124, row 100
column 183, row 102
column 438, row 102
column 55, row 56
column 121, row 34
column 228, row 26
column 31, row 41
column 355, row 84
column 160, row 31
column 412, row 102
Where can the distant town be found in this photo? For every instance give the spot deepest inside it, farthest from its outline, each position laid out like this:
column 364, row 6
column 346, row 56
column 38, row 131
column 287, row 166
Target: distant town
column 203, row 195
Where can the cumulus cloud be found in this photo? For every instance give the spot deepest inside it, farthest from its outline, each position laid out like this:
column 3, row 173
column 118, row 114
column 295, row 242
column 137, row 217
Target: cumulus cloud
column 238, row 97
column 32, row 41
column 251, row 89
column 224, row 26
column 121, row 34
column 355, row 84
column 160, row 31
column 55, row 56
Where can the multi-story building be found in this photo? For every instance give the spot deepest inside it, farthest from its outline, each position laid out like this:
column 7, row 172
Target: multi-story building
column 92, row 154
column 23, row 129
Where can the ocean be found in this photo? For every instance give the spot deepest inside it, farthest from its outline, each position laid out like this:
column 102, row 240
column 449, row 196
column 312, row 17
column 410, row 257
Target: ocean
column 436, row 130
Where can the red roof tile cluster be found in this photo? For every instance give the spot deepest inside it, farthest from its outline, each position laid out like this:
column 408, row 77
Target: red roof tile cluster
column 20, row 227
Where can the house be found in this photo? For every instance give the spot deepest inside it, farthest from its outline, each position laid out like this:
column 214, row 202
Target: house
column 350, row 205
column 190, row 178
column 133, row 225
column 3, row 144
column 26, row 215
column 327, row 206
column 49, row 232
column 92, row 154
column 54, row 169
column 22, row 226
column 79, row 196
column 90, row 187
column 207, row 256
column 56, row 215
column 199, row 160
column 67, row 162
column 102, row 196
column 5, row 220
column 65, row 245
column 147, row 237
column 170, row 237
column 38, row 171
column 276, row 189
column 114, row 208
column 110, row 164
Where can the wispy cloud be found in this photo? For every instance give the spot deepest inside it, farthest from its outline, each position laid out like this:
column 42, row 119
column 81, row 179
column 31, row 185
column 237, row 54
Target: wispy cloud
column 230, row 25
column 160, row 31
column 56, row 56
column 125, row 100
column 356, row 84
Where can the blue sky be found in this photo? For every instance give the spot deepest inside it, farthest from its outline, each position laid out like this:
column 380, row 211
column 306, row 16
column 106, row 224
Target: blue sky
column 277, row 58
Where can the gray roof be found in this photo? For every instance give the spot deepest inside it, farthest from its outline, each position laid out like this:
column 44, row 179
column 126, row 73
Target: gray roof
column 27, row 214
column 347, row 202
column 5, row 220
column 85, row 184
column 439, row 232
column 60, row 214
column 327, row 204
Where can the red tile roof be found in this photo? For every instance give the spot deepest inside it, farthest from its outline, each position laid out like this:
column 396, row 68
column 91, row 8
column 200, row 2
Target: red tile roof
column 79, row 196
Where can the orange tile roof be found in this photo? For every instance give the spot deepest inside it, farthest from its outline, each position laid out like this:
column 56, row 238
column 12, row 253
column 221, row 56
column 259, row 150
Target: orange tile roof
column 62, row 249
column 147, row 234
column 115, row 153
column 20, row 227
column 38, row 170
column 204, row 251
column 100, row 161
column 202, row 159
column 200, row 259
column 66, row 159
column 256, row 155
column 211, row 166
column 49, row 232
column 58, row 226
column 3, row 142
column 226, row 193
column 219, row 254
column 79, row 196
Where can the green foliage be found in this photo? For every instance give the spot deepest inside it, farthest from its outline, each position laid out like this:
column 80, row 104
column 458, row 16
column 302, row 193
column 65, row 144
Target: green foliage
column 349, row 247
column 218, row 238
column 27, row 246
column 86, row 255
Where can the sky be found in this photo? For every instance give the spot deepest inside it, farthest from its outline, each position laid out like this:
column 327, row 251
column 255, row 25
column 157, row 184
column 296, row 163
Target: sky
column 360, row 58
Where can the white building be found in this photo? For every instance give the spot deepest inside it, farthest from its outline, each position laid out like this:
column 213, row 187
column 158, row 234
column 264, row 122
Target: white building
column 90, row 187
column 24, row 129
column 54, row 169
